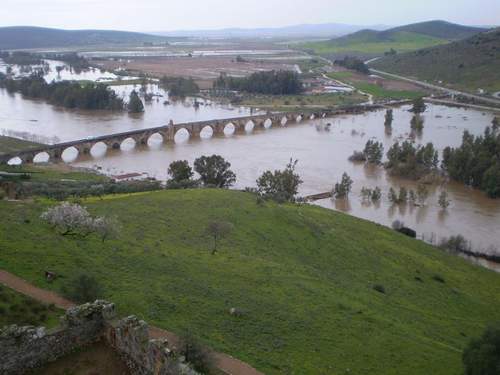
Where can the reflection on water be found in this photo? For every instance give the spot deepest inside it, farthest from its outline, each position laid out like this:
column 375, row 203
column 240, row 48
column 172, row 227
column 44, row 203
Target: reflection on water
column 322, row 156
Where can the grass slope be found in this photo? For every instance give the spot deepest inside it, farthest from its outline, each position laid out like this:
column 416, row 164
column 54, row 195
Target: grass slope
column 303, row 275
column 402, row 39
column 9, row 144
column 16, row 308
column 467, row 64
column 18, row 37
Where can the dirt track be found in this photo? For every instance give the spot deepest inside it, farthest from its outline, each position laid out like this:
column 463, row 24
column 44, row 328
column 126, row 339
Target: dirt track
column 225, row 363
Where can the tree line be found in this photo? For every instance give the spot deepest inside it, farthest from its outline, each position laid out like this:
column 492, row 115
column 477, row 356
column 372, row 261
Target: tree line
column 274, row 82
column 476, row 162
column 179, row 86
column 65, row 94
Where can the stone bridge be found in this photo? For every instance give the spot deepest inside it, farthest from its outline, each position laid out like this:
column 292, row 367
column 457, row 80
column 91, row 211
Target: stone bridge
column 168, row 132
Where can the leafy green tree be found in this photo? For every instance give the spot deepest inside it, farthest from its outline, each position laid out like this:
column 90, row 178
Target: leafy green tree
column 482, row 355
column 281, row 186
column 376, row 194
column 281, row 82
column 135, row 104
column 343, row 188
column 214, row 171
column 403, row 195
column 181, row 175
column 476, row 162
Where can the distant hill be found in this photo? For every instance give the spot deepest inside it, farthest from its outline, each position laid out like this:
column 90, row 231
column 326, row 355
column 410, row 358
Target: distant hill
column 325, row 30
column 371, row 43
column 24, row 37
column 467, row 64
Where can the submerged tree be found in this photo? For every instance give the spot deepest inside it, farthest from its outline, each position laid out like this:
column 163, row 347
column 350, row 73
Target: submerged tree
column 418, row 106
column 135, row 104
column 389, row 117
column 343, row 188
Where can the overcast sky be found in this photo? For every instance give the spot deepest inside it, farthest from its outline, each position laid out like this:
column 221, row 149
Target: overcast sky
column 166, row 15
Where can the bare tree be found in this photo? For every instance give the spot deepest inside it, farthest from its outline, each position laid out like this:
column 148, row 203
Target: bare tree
column 219, row 229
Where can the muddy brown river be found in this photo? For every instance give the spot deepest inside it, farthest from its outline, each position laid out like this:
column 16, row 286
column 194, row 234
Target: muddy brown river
column 322, row 155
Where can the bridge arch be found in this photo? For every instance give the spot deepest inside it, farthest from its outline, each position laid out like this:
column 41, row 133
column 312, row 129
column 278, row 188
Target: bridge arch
column 70, row 154
column 99, row 149
column 298, row 118
column 41, row 157
column 128, row 144
column 207, row 132
column 312, row 117
column 229, row 129
column 283, row 121
column 182, row 135
column 15, row 161
column 249, row 126
column 155, row 140
column 267, row 123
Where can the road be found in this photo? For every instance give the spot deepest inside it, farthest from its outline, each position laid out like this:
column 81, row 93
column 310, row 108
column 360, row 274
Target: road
column 438, row 88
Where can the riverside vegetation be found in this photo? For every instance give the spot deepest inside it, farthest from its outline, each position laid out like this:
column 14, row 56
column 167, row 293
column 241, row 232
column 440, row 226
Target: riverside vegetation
column 316, row 287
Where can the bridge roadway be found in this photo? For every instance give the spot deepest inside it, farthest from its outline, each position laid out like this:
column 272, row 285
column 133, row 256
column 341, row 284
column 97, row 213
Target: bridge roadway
column 141, row 136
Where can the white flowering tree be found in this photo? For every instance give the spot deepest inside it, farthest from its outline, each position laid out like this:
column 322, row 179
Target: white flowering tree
column 71, row 219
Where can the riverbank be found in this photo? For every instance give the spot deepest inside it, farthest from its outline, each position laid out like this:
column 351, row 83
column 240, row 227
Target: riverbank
column 9, row 145
column 281, row 265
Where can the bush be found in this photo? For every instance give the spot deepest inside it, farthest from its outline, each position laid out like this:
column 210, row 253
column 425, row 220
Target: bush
column 438, row 278
column 482, row 356
column 196, row 354
column 281, row 186
column 83, row 288
column 379, row 288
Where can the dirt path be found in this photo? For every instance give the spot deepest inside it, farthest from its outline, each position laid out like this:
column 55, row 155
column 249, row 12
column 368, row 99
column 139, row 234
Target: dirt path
column 225, row 362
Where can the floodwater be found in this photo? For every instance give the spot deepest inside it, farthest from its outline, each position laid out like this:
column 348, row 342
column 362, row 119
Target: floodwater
column 323, row 158
column 322, row 153
column 38, row 121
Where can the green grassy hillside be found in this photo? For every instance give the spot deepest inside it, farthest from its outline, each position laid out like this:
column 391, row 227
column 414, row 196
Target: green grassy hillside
column 302, row 275
column 9, row 144
column 467, row 64
column 22, row 37
column 369, row 43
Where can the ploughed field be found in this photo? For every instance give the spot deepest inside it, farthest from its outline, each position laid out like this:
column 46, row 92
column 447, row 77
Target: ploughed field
column 302, row 276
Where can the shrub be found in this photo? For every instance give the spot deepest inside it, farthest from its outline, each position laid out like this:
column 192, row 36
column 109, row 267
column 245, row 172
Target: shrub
column 482, row 356
column 379, row 288
column 196, row 354
column 83, row 288
column 438, row 278
column 281, row 186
